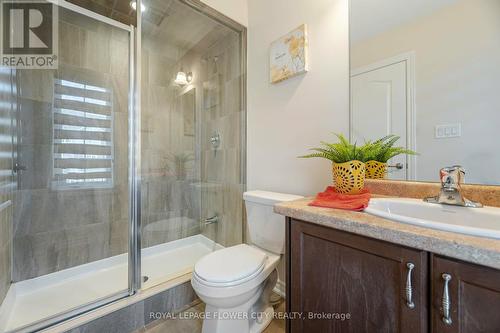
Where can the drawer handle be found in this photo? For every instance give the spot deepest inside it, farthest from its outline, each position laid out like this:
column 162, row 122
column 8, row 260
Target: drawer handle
column 446, row 303
column 409, row 287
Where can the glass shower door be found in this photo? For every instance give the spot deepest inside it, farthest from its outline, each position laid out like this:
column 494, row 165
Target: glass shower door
column 69, row 227
column 192, row 128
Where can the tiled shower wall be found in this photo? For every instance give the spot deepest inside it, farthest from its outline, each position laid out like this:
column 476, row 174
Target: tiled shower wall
column 170, row 165
column 174, row 202
column 58, row 228
column 222, row 113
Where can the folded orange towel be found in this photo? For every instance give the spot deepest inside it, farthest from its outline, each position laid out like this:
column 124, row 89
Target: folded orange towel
column 330, row 198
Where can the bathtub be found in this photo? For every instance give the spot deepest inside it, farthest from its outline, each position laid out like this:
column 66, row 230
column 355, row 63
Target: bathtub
column 49, row 296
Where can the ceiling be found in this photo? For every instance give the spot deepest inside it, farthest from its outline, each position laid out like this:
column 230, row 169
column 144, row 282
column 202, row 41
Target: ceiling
column 372, row 17
column 171, row 25
column 180, row 25
column 119, row 10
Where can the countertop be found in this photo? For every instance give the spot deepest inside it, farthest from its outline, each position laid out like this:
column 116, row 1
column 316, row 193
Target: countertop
column 478, row 250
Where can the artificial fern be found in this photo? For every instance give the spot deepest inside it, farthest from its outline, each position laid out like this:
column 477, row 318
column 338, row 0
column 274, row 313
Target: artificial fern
column 340, row 152
column 381, row 150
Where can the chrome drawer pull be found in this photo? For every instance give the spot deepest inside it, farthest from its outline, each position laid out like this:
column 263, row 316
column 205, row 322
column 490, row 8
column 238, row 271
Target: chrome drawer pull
column 446, row 303
column 409, row 291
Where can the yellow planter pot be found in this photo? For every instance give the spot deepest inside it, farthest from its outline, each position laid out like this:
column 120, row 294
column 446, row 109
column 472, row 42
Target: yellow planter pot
column 349, row 177
column 376, row 170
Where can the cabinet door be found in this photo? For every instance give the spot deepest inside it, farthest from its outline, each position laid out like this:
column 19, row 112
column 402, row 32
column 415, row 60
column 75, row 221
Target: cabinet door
column 473, row 296
column 335, row 272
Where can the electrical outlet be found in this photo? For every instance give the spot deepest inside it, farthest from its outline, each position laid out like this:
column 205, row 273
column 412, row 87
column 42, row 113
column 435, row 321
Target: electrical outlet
column 448, row 131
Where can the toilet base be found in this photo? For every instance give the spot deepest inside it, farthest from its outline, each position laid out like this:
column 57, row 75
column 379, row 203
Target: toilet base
column 229, row 320
column 250, row 322
column 253, row 316
column 260, row 325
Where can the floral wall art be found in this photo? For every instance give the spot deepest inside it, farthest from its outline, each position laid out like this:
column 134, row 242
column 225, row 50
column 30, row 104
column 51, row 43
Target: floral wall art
column 288, row 55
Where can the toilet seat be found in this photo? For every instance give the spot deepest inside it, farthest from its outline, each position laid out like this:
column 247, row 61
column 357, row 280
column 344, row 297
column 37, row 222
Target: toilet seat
column 218, row 290
column 230, row 266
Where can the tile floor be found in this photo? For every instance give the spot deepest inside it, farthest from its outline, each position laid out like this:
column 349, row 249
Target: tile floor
column 194, row 325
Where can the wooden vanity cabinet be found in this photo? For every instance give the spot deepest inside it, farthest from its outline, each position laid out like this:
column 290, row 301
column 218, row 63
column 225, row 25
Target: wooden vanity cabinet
column 335, row 272
column 331, row 272
column 473, row 296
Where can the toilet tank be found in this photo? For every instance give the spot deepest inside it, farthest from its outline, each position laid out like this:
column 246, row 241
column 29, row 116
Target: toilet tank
column 266, row 228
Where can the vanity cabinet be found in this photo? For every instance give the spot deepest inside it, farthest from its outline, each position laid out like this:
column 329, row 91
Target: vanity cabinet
column 473, row 295
column 333, row 272
column 383, row 287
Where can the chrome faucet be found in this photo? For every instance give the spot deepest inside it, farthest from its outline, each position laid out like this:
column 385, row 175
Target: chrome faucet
column 211, row 220
column 451, row 188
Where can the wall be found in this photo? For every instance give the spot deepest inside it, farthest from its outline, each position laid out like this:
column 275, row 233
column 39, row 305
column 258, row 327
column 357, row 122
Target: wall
column 170, row 204
column 457, row 52
column 235, row 9
column 287, row 118
column 223, row 180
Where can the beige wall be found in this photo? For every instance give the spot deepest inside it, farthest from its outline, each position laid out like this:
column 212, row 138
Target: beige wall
column 287, row 118
column 457, row 52
column 235, row 9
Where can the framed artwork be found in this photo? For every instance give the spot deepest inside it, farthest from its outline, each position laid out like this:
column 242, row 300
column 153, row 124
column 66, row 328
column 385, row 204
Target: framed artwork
column 288, row 56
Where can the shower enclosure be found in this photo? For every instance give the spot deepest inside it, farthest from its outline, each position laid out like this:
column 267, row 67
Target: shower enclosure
column 123, row 166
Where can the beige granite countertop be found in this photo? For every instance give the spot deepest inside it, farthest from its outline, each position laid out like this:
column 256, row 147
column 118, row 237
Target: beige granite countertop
column 478, row 250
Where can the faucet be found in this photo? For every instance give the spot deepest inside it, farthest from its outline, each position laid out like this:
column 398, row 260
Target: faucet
column 211, row 220
column 451, row 188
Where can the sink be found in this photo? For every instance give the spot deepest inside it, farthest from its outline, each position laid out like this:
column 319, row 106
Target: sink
column 482, row 222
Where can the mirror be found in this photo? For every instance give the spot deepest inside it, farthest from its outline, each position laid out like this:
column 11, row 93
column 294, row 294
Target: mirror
column 429, row 72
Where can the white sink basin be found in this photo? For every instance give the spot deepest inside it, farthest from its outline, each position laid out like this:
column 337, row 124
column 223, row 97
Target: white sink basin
column 482, row 222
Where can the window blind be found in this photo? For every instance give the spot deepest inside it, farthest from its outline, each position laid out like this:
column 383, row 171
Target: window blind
column 8, row 91
column 82, row 135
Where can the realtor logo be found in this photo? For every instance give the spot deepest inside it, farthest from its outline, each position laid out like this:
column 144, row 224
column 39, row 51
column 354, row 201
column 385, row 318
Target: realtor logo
column 29, row 35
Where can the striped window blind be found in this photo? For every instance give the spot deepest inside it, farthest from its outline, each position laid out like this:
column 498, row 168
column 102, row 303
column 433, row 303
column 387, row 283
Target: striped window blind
column 8, row 124
column 82, row 135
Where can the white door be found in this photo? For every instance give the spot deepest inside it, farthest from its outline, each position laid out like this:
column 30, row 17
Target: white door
column 379, row 108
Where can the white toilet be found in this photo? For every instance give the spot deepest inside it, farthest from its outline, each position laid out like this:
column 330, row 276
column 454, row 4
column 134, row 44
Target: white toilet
column 236, row 282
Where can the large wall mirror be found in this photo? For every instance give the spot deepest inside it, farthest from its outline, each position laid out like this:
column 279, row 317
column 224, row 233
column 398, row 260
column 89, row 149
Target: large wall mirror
column 429, row 71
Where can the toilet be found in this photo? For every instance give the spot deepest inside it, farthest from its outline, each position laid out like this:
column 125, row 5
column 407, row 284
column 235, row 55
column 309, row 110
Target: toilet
column 236, row 282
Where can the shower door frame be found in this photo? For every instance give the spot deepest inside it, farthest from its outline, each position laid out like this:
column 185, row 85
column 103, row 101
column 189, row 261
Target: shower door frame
column 132, row 116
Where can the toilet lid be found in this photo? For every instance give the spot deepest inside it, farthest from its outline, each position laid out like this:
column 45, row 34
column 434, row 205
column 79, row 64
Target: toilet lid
column 230, row 264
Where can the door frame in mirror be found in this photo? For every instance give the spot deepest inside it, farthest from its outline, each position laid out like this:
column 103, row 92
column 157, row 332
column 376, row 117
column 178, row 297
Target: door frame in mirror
column 411, row 123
